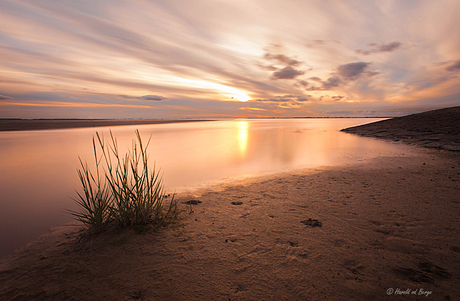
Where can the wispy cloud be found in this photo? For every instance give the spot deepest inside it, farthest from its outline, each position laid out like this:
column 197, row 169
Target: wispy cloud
column 378, row 48
column 187, row 58
column 454, row 67
column 146, row 97
column 3, row 97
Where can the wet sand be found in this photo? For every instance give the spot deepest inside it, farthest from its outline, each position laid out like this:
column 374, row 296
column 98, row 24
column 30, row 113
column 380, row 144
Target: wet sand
column 391, row 223
column 386, row 229
column 52, row 124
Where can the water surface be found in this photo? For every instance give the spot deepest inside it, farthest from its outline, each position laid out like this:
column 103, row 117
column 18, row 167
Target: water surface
column 38, row 168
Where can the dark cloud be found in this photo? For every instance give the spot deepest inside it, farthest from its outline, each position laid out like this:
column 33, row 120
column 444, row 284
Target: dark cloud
column 337, row 97
column 153, row 97
column 454, row 67
column 3, row 97
column 316, row 79
column 352, row 70
column 286, row 73
column 146, row 97
column 345, row 73
column 286, row 98
column 357, row 113
column 375, row 48
column 331, row 82
column 281, row 58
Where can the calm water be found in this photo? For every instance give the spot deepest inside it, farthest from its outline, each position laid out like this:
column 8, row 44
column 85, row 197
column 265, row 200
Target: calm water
column 38, row 168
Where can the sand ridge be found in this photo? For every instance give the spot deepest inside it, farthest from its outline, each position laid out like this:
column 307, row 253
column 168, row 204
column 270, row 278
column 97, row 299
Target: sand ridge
column 433, row 129
column 388, row 224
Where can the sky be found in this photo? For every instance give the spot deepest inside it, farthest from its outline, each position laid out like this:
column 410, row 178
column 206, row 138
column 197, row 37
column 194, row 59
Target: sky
column 227, row 58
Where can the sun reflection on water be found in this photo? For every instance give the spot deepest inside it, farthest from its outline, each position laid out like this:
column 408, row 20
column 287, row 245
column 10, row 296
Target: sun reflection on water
column 242, row 137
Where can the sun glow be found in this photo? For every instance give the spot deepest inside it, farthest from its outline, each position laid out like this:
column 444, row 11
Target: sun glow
column 241, row 96
column 229, row 92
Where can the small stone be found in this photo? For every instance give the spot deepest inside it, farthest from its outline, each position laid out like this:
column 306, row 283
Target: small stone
column 312, row 223
column 192, row 202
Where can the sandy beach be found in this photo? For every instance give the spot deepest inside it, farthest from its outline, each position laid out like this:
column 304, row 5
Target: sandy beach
column 53, row 124
column 387, row 229
column 433, row 129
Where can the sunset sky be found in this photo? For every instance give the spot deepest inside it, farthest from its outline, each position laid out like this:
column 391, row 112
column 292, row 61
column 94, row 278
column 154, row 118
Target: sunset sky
column 227, row 58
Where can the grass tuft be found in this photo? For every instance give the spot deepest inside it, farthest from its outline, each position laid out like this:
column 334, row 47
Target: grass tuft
column 129, row 193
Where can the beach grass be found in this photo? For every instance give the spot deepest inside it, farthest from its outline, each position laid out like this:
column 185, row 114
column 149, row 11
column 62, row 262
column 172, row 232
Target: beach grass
column 124, row 190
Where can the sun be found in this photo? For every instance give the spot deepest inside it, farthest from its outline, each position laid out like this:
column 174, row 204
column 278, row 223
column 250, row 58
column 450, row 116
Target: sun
column 240, row 96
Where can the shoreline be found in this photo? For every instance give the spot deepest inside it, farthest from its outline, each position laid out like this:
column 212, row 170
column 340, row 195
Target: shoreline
column 389, row 223
column 437, row 129
column 53, row 124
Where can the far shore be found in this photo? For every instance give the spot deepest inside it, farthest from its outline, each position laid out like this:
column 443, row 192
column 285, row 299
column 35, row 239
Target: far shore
column 51, row 124
column 19, row 124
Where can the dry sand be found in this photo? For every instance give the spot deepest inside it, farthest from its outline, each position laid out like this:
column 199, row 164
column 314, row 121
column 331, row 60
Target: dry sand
column 387, row 229
column 433, row 129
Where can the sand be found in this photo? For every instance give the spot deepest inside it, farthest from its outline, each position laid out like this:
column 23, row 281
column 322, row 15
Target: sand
column 433, row 129
column 391, row 223
column 53, row 124
column 386, row 229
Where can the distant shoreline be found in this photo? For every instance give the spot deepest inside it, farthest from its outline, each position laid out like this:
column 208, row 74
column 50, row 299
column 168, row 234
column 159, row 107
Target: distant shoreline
column 53, row 124
column 19, row 124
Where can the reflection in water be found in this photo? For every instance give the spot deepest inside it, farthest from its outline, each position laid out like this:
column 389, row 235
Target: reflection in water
column 38, row 169
column 242, row 137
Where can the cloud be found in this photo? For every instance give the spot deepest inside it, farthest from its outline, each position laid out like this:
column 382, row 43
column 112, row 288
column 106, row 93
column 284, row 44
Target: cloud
column 337, row 97
column 375, row 48
column 346, row 72
column 286, row 73
column 316, row 79
column 389, row 47
column 286, row 98
column 352, row 70
column 3, row 97
column 331, row 82
column 281, row 58
column 454, row 67
column 153, row 97
column 146, row 97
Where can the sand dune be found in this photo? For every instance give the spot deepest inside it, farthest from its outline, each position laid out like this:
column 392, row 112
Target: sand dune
column 432, row 129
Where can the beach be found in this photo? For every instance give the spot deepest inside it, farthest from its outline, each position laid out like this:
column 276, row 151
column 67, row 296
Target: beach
column 392, row 223
column 432, row 129
column 53, row 124
column 384, row 229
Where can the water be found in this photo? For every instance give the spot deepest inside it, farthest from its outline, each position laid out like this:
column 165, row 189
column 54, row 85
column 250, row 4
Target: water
column 38, row 168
